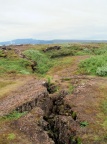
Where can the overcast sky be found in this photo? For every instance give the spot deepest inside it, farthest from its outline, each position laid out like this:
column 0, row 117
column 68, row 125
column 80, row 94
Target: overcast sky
column 53, row 19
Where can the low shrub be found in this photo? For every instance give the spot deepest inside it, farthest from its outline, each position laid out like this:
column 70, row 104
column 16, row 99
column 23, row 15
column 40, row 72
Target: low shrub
column 61, row 53
column 11, row 136
column 2, row 54
column 100, row 51
column 94, row 65
column 13, row 65
column 102, row 71
column 71, row 88
column 43, row 62
column 84, row 123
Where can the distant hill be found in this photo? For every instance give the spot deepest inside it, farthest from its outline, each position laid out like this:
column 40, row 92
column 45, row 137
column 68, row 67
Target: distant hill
column 34, row 41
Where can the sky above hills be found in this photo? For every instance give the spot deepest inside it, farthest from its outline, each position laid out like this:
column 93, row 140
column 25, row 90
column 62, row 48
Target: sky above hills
column 53, row 19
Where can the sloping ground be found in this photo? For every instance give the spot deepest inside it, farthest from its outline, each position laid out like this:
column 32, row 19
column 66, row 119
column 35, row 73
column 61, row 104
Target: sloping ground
column 87, row 102
column 24, row 94
column 29, row 125
column 77, row 114
column 9, row 84
column 29, row 95
column 69, row 70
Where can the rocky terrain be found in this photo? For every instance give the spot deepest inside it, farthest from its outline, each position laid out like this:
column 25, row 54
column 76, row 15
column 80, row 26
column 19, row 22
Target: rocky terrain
column 68, row 108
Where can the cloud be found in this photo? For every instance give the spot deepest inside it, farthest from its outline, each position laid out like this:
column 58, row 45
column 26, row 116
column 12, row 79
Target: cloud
column 53, row 19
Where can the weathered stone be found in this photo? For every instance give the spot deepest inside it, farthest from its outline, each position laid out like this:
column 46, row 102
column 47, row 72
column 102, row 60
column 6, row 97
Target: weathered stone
column 52, row 48
column 19, row 109
column 23, row 108
column 28, row 107
column 64, row 129
column 29, row 126
column 32, row 103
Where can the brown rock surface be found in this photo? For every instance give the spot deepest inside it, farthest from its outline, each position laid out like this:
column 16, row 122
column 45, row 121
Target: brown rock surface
column 32, row 90
column 29, row 125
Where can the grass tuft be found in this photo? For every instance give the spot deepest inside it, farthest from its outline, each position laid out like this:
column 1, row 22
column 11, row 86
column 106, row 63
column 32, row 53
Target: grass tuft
column 94, row 65
column 12, row 116
column 43, row 62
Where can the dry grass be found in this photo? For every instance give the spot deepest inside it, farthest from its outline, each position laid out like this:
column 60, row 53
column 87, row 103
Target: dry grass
column 9, row 83
column 9, row 86
column 60, row 64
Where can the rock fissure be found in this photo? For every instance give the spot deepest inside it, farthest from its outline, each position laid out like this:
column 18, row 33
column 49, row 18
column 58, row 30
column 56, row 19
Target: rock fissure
column 61, row 123
column 58, row 120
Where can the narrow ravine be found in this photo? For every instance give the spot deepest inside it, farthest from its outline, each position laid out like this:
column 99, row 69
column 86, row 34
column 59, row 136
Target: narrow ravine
column 58, row 119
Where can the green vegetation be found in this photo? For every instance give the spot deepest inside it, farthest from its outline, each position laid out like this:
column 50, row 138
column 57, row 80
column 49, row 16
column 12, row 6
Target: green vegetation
column 8, row 138
column 104, row 106
column 66, row 79
column 102, row 71
column 103, row 116
column 8, row 65
column 84, row 49
column 51, row 87
column 76, row 140
column 74, row 115
column 49, row 80
column 71, row 88
column 12, row 116
column 67, row 50
column 84, row 123
column 11, row 136
column 2, row 54
column 43, row 62
column 61, row 63
column 95, row 65
column 60, row 53
column 100, row 51
column 79, row 141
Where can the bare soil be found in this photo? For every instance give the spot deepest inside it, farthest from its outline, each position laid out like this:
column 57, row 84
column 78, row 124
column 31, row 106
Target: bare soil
column 86, row 99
